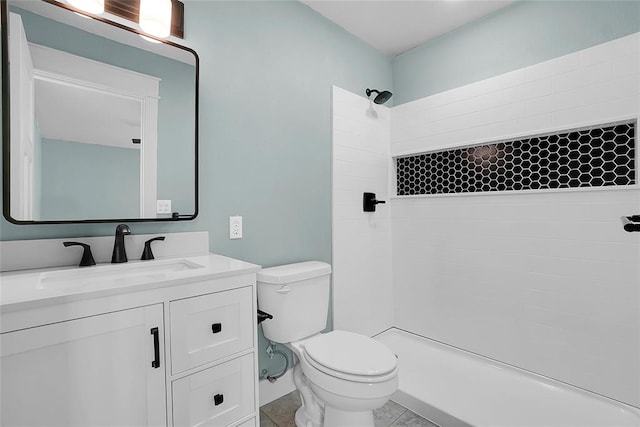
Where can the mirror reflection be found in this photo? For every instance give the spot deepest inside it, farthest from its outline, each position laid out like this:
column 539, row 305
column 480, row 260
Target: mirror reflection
column 103, row 123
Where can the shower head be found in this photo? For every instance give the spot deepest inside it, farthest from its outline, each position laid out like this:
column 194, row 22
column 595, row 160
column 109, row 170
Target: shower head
column 382, row 97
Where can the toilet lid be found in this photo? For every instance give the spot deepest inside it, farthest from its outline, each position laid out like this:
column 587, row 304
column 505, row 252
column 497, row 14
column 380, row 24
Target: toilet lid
column 351, row 353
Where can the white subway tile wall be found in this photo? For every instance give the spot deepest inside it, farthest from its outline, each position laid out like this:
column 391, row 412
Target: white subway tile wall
column 362, row 283
column 548, row 282
column 593, row 86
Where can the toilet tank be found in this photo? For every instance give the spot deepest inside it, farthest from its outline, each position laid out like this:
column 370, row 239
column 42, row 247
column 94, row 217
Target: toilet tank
column 297, row 296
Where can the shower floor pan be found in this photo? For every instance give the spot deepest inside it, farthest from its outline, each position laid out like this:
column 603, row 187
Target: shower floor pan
column 454, row 388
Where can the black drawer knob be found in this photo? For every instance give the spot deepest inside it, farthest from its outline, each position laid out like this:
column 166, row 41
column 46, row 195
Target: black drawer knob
column 216, row 327
column 218, row 399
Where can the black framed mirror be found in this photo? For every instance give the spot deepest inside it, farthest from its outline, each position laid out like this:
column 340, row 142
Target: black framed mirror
column 99, row 124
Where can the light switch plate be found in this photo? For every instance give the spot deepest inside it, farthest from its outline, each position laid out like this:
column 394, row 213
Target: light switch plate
column 235, row 227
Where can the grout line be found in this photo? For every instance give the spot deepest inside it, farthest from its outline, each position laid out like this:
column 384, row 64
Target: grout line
column 399, row 416
column 264, row 414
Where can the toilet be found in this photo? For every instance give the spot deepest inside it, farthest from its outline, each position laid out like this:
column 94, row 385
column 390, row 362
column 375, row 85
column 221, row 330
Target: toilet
column 341, row 376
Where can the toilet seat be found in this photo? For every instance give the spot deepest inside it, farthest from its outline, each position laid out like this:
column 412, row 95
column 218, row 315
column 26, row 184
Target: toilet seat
column 351, row 357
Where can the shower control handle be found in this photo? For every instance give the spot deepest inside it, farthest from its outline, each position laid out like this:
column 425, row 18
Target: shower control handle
column 631, row 223
column 632, row 228
column 369, row 202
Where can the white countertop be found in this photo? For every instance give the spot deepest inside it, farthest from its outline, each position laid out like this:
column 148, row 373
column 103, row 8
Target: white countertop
column 27, row 288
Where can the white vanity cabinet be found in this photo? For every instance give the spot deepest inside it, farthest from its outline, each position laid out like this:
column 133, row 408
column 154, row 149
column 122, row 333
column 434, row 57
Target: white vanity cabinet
column 205, row 330
column 176, row 351
column 97, row 370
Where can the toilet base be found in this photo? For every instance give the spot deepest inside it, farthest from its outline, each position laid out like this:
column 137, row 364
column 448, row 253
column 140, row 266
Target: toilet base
column 302, row 420
column 310, row 413
column 336, row 418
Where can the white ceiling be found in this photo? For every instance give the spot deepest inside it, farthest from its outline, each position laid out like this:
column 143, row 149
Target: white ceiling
column 394, row 26
column 77, row 114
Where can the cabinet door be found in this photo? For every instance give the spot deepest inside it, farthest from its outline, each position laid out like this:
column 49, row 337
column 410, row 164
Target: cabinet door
column 86, row 372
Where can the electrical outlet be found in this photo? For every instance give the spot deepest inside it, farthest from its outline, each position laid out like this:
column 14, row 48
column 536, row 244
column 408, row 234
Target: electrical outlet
column 235, row 227
column 163, row 206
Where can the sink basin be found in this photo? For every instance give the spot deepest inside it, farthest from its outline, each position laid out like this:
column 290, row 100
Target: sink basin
column 22, row 289
column 117, row 274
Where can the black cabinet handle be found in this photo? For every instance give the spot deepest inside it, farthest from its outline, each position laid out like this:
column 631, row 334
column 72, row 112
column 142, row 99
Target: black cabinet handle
column 218, row 399
column 156, row 348
column 216, row 327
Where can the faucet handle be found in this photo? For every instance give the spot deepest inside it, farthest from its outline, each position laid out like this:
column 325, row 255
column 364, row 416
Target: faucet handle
column 87, row 258
column 146, row 253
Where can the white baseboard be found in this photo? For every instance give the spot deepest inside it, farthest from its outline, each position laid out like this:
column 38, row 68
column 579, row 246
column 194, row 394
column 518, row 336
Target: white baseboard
column 272, row 391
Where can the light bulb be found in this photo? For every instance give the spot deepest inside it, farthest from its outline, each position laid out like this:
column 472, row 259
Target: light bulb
column 95, row 7
column 155, row 17
column 149, row 39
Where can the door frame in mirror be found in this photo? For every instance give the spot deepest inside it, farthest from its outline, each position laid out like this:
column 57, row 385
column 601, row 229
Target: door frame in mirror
column 6, row 128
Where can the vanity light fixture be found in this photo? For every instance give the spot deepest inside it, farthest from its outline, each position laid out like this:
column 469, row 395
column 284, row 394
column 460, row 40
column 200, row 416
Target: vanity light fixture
column 149, row 39
column 155, row 17
column 95, row 7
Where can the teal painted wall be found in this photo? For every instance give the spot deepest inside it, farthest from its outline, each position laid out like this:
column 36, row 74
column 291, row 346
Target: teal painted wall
column 88, row 180
column 517, row 36
column 266, row 73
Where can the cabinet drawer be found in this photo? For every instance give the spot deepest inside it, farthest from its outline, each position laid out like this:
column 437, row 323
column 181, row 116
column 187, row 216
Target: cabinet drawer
column 208, row 327
column 217, row 396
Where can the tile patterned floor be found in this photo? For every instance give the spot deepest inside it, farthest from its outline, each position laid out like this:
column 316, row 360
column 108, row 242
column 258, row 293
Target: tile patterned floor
column 281, row 412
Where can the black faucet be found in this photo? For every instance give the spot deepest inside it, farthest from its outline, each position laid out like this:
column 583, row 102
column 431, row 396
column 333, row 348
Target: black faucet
column 147, row 254
column 119, row 252
column 87, row 258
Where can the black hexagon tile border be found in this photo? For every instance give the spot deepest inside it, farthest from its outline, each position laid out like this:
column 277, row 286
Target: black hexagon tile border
column 593, row 157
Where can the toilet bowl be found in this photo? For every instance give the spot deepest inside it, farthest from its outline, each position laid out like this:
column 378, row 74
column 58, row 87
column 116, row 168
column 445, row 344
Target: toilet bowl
column 351, row 374
column 341, row 376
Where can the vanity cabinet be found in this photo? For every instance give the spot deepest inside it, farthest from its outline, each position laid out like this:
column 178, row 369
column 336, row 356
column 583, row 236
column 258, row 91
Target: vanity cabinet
column 179, row 352
column 208, row 330
column 97, row 370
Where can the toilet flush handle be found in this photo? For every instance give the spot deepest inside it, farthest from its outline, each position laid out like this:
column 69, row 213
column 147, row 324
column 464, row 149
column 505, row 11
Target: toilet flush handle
column 283, row 290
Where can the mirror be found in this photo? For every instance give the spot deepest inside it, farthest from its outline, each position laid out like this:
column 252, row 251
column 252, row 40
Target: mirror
column 100, row 125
